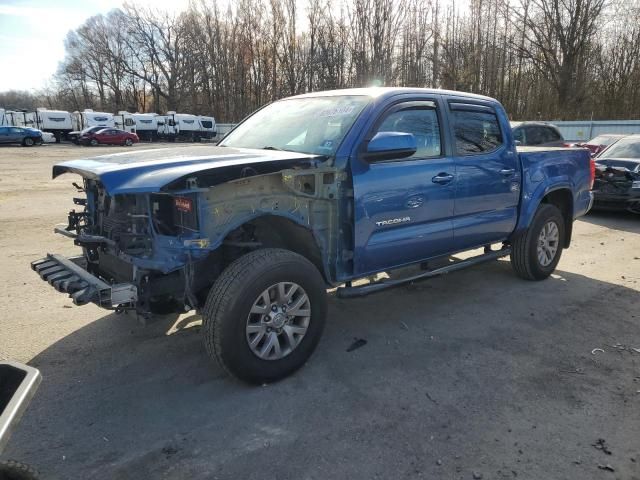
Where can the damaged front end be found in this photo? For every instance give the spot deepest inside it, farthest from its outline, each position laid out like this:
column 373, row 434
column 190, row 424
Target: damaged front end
column 616, row 188
column 138, row 250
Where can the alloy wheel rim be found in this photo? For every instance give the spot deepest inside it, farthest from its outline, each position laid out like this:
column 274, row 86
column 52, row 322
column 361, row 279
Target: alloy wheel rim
column 548, row 243
column 278, row 321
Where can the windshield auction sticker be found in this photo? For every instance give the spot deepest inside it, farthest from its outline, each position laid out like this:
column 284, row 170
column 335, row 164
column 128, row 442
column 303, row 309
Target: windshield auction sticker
column 337, row 111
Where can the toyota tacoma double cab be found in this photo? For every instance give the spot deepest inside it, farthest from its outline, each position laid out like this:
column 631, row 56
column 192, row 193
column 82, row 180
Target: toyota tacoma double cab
column 308, row 193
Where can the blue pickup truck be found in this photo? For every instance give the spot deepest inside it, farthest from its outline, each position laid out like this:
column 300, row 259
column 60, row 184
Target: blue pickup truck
column 308, row 193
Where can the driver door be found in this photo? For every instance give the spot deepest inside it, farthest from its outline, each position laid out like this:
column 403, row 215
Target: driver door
column 404, row 206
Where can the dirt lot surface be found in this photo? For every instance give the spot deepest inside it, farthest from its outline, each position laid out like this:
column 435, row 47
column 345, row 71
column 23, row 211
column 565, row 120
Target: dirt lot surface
column 474, row 375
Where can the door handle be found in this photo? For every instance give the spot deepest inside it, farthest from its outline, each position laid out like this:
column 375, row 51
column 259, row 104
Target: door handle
column 442, row 178
column 507, row 172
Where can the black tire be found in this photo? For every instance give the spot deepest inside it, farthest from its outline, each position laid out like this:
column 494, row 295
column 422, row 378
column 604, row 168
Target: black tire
column 94, row 142
column 524, row 249
column 28, row 142
column 12, row 470
column 231, row 299
column 128, row 142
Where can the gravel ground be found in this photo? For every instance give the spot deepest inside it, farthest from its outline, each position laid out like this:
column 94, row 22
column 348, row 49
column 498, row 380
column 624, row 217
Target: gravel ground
column 473, row 375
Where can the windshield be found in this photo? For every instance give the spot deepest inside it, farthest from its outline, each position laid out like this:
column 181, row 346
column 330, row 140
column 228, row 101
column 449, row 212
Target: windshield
column 624, row 148
column 314, row 125
column 603, row 140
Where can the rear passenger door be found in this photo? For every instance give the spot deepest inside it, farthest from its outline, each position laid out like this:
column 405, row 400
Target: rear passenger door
column 488, row 176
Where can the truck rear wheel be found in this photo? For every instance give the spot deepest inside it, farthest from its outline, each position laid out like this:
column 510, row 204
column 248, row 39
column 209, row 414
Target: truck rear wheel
column 264, row 315
column 536, row 253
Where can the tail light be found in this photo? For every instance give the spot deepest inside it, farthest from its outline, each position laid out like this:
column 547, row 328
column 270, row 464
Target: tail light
column 592, row 172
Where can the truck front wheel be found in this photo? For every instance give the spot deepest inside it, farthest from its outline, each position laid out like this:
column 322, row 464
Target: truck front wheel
column 536, row 253
column 264, row 315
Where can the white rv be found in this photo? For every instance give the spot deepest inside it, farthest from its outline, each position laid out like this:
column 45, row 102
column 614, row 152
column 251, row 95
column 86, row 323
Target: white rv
column 89, row 118
column 57, row 122
column 125, row 121
column 185, row 126
column 17, row 118
column 146, row 125
column 208, row 127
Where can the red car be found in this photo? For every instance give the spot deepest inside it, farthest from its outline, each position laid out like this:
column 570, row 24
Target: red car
column 109, row 136
column 599, row 143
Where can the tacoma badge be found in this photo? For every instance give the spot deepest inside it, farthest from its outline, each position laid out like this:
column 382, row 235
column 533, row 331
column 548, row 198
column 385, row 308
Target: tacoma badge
column 393, row 221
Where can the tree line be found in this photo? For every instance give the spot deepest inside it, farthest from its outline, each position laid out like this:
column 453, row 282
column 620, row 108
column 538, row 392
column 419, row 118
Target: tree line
column 543, row 59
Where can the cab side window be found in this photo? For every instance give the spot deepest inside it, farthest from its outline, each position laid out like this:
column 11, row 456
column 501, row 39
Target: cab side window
column 422, row 123
column 476, row 131
column 518, row 135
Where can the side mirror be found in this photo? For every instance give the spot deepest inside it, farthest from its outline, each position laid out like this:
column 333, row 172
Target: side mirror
column 390, row 146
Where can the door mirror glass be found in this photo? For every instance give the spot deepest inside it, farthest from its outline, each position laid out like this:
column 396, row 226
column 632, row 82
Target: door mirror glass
column 390, row 146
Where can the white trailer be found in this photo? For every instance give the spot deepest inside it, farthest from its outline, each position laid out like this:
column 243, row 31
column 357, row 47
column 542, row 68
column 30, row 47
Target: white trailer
column 124, row 121
column 185, row 126
column 58, row 122
column 208, row 127
column 89, row 118
column 17, row 118
column 146, row 125
column 3, row 117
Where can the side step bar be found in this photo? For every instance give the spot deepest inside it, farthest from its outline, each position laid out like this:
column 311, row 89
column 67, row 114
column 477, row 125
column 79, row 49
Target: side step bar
column 362, row 290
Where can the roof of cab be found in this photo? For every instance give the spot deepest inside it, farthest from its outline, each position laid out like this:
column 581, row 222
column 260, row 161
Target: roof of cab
column 385, row 92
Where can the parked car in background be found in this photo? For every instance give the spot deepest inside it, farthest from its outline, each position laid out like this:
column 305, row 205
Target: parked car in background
column 75, row 135
column 24, row 136
column 537, row 134
column 47, row 137
column 109, row 136
column 599, row 143
column 617, row 180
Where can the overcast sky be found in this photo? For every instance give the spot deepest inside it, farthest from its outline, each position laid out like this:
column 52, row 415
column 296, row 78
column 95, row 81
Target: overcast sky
column 32, row 34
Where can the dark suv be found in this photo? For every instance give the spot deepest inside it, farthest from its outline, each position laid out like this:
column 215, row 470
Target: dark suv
column 25, row 136
column 538, row 134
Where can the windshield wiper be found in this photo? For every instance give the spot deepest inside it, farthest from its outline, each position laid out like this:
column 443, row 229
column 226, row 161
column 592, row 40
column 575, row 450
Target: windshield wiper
column 270, row 147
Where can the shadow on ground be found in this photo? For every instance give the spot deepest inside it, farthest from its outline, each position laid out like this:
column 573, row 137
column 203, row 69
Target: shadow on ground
column 473, row 372
column 624, row 221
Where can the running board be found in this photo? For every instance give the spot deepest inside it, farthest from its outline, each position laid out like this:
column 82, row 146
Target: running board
column 362, row 290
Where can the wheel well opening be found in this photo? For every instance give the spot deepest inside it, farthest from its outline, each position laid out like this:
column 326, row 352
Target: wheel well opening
column 263, row 232
column 564, row 201
column 279, row 232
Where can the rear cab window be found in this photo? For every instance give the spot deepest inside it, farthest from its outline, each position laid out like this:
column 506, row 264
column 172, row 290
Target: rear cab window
column 553, row 135
column 476, row 129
